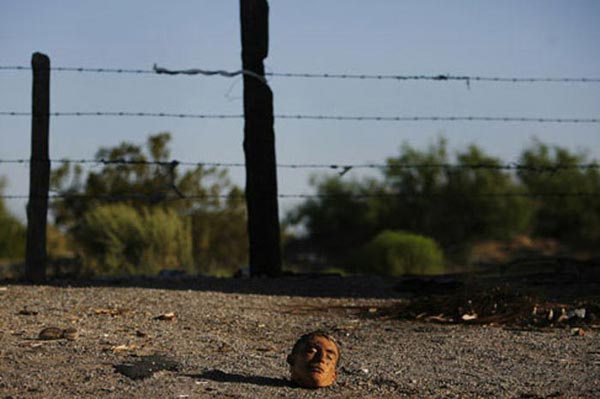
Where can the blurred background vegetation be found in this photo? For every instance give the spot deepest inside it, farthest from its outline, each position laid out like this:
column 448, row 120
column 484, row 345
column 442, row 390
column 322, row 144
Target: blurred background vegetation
column 140, row 213
column 12, row 232
column 469, row 206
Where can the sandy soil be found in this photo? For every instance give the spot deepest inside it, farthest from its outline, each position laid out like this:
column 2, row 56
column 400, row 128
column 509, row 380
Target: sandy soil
column 228, row 338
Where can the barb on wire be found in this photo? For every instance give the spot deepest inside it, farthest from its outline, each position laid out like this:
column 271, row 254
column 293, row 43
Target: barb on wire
column 220, row 72
column 172, row 178
column 319, row 117
column 344, row 168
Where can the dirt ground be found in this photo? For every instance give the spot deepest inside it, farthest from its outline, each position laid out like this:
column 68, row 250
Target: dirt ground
column 228, row 338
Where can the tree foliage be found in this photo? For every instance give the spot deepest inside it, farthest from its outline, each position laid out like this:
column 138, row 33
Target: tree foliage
column 220, row 243
column 567, row 211
column 151, row 191
column 457, row 201
column 455, row 205
column 342, row 215
column 122, row 240
column 12, row 232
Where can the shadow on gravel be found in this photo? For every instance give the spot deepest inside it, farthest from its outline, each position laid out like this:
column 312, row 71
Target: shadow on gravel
column 557, row 278
column 300, row 285
column 221, row 376
column 147, row 366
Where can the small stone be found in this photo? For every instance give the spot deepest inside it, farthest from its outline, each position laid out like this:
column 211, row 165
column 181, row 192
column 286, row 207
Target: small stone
column 224, row 347
column 469, row 317
column 51, row 333
column 27, row 312
column 123, row 348
column 170, row 316
column 70, row 333
column 580, row 332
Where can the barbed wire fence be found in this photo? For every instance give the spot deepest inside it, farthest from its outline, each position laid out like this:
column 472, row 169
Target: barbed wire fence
column 343, row 168
column 507, row 166
column 367, row 118
column 44, row 115
column 220, row 72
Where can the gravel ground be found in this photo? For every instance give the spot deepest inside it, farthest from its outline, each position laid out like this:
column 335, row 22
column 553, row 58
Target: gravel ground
column 230, row 337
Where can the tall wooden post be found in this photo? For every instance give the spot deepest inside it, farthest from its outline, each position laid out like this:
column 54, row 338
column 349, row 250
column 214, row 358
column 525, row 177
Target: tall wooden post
column 259, row 144
column 39, row 170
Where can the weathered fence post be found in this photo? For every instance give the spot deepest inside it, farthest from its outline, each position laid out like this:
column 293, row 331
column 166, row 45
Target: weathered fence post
column 259, row 144
column 39, row 171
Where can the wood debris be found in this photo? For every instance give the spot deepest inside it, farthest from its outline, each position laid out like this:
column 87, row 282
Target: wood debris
column 170, row 316
column 495, row 306
column 123, row 348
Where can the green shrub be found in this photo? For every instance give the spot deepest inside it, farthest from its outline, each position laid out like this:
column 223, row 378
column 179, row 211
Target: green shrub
column 123, row 240
column 12, row 232
column 12, row 238
column 394, row 253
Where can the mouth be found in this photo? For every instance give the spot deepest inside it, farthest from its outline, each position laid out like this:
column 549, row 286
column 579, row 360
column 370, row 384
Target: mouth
column 316, row 369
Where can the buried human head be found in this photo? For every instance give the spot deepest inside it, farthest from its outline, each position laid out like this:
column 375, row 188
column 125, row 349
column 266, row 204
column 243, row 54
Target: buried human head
column 314, row 359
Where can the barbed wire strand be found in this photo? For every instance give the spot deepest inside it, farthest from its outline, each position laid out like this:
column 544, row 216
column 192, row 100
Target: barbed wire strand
column 513, row 166
column 224, row 73
column 81, row 69
column 432, row 78
column 317, row 117
column 161, row 196
column 128, row 114
column 439, row 118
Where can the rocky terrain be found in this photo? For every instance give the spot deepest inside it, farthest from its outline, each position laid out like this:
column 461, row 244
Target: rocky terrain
column 228, row 338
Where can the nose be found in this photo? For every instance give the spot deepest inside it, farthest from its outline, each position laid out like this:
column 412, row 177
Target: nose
column 319, row 356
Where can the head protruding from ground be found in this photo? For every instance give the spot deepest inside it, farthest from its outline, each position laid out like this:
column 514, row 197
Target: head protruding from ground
column 314, row 359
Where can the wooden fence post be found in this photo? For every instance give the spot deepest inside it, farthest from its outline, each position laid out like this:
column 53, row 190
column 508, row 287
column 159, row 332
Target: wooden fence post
column 259, row 144
column 39, row 171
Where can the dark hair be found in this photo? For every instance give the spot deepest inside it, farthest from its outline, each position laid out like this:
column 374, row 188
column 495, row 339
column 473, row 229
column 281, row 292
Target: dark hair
column 305, row 339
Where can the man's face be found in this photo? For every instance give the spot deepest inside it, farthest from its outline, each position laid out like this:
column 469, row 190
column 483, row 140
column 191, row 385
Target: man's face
column 314, row 366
